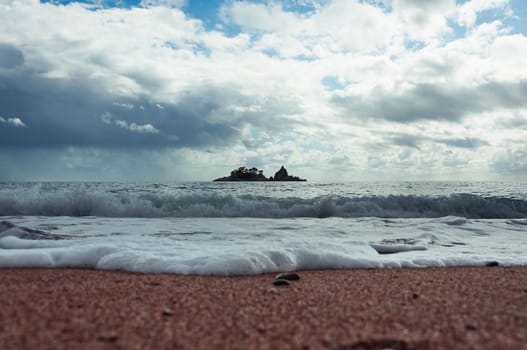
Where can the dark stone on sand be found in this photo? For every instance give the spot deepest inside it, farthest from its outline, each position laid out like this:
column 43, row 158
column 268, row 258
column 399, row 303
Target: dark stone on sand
column 492, row 264
column 167, row 312
column 281, row 282
column 290, row 276
column 470, row 327
column 107, row 337
column 272, row 290
column 394, row 344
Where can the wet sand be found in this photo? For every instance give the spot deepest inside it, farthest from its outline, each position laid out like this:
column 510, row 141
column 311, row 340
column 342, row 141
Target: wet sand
column 443, row 308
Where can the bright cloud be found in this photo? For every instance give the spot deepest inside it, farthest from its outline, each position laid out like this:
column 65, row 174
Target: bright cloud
column 355, row 89
column 467, row 13
column 12, row 121
column 148, row 128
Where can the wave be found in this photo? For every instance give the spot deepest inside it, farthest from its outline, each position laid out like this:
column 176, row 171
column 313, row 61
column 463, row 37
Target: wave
column 107, row 204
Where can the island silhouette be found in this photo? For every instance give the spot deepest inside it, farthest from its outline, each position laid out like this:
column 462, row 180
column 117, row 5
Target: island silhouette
column 253, row 174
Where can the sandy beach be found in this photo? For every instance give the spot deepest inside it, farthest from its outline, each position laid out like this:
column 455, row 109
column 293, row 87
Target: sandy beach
column 434, row 308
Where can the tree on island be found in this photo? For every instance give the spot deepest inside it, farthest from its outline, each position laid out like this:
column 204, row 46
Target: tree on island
column 253, row 174
column 244, row 174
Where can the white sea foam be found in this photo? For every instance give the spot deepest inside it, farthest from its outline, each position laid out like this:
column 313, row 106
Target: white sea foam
column 252, row 246
column 227, row 229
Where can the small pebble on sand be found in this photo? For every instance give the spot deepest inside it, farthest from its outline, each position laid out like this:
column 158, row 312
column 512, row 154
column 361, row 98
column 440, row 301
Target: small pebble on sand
column 272, row 290
column 167, row 312
column 281, row 282
column 108, row 337
column 290, row 276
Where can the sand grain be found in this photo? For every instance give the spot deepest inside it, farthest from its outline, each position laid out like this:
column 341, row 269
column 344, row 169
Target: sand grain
column 462, row 308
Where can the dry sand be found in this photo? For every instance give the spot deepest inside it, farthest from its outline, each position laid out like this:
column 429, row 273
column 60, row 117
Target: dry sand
column 444, row 308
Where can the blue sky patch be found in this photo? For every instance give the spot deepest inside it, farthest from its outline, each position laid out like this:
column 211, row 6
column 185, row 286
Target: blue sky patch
column 333, row 83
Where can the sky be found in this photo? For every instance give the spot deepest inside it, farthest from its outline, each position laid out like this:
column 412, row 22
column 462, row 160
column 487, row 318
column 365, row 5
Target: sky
column 335, row 90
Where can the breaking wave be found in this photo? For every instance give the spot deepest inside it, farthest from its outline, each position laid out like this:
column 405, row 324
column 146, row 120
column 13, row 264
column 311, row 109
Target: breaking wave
column 145, row 205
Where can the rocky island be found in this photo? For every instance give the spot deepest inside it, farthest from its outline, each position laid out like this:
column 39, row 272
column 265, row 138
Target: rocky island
column 253, row 174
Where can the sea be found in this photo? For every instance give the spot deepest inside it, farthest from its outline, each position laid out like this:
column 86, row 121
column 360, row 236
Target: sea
column 247, row 228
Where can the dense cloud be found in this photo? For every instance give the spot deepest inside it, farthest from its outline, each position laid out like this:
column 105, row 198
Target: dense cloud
column 469, row 143
column 436, row 102
column 10, row 56
column 357, row 89
column 511, row 162
column 416, row 140
column 76, row 113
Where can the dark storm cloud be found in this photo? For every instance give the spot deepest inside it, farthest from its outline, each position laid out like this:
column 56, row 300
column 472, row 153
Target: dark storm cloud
column 340, row 161
column 414, row 141
column 406, row 140
column 77, row 112
column 435, row 102
column 10, row 56
column 147, row 80
column 518, row 122
column 468, row 143
column 510, row 162
column 60, row 113
column 74, row 164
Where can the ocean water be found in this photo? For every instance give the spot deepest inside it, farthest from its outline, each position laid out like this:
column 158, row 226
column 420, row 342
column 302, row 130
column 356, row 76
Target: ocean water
column 252, row 228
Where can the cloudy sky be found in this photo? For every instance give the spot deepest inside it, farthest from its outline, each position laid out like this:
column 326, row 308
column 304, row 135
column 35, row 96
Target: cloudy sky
column 336, row 90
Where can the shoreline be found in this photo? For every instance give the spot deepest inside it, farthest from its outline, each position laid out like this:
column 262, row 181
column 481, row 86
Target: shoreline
column 422, row 308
